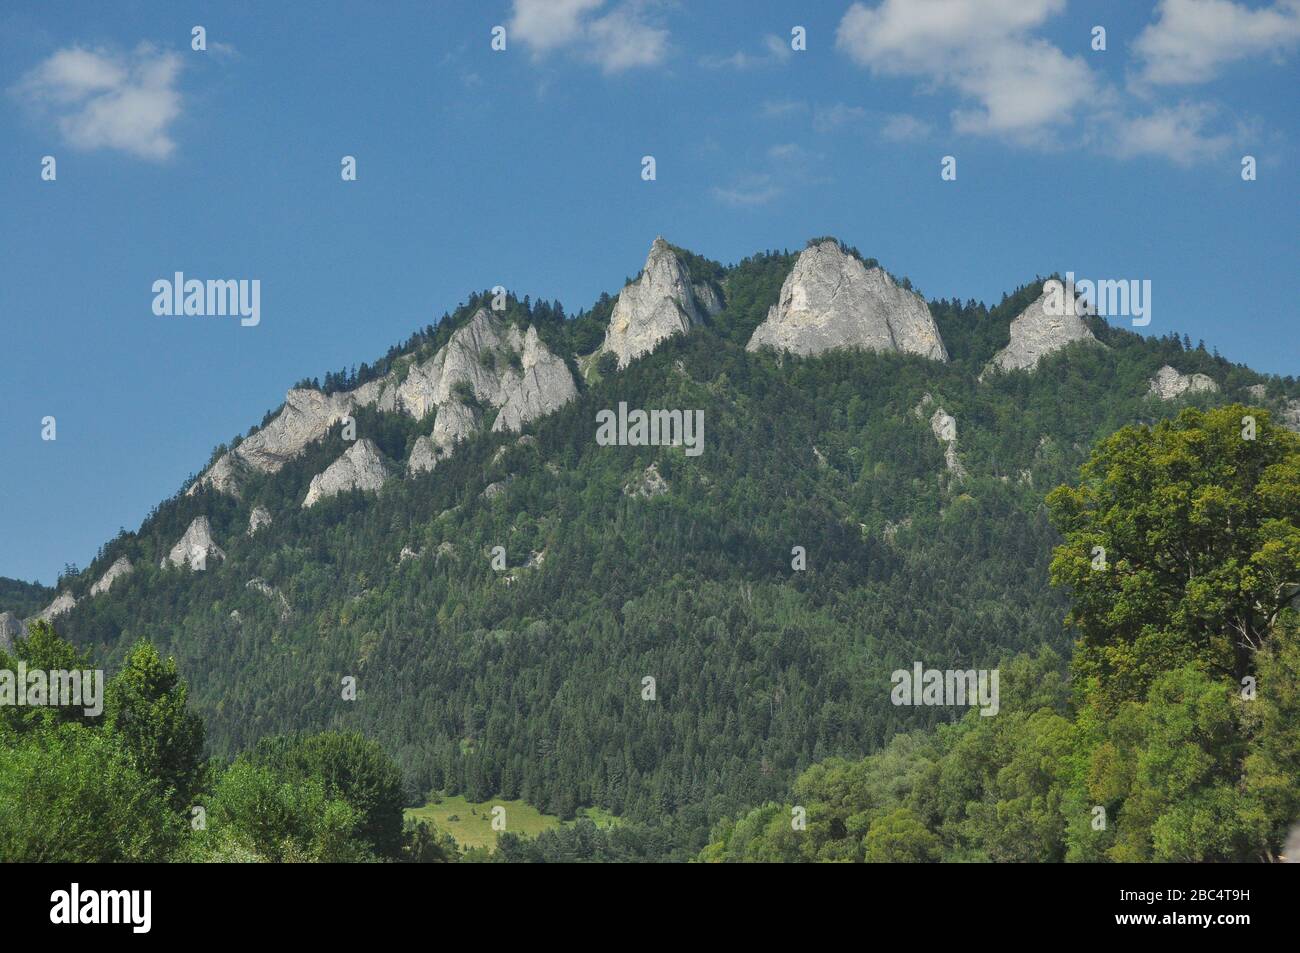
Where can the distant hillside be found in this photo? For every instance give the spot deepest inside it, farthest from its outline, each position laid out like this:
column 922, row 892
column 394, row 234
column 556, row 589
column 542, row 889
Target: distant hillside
column 526, row 679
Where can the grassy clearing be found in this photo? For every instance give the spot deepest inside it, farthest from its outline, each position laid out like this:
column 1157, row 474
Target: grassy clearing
column 470, row 822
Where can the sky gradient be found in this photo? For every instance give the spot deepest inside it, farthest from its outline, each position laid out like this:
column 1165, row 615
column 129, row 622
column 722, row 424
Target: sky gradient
column 523, row 168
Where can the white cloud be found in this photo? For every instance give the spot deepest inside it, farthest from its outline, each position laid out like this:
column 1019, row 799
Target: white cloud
column 1193, row 39
column 102, row 100
column 777, row 52
column 1176, row 133
column 1014, row 84
column 618, row 40
column 748, row 192
column 905, row 128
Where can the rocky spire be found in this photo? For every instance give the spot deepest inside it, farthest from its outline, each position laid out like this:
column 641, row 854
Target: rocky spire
column 659, row 304
column 195, row 549
column 362, row 467
column 832, row 300
column 1047, row 325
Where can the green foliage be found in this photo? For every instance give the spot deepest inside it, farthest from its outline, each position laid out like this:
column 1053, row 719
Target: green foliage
column 69, row 794
column 146, row 708
column 1199, row 532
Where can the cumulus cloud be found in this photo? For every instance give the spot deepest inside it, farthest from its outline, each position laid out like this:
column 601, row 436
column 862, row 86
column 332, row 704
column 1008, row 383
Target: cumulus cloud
column 616, row 40
column 749, row 191
column 103, row 100
column 1192, row 40
column 1011, row 82
column 1177, row 133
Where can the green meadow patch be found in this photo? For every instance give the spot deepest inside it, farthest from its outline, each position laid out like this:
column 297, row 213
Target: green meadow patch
column 470, row 822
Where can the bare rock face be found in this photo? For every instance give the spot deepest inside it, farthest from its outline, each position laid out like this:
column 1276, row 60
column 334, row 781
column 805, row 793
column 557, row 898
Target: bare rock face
column 424, row 456
column 195, row 549
column 10, row 628
column 541, row 384
column 455, row 422
column 1257, row 391
column 659, row 304
column 306, row 417
column 257, row 519
column 1169, row 383
column 1037, row 331
column 362, row 467
column 63, row 602
column 488, row 362
column 120, row 568
column 944, row 427
column 648, row 485
column 832, row 300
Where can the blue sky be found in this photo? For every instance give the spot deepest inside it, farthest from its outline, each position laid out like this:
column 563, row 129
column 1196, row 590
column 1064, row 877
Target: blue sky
column 522, row 168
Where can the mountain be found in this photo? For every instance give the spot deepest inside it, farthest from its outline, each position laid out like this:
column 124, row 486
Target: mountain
column 500, row 586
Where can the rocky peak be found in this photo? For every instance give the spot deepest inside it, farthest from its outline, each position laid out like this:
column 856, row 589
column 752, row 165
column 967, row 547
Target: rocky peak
column 63, row 602
column 361, row 467
column 1037, row 332
column 1168, row 383
column 195, row 549
column 659, row 304
column 832, row 300
column 120, row 568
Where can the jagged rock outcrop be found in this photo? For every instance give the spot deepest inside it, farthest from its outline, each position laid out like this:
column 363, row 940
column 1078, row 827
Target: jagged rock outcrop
column 195, row 549
column 493, row 490
column 63, row 602
column 832, row 300
column 660, row 303
column 257, row 519
column 307, row 416
column 1257, row 391
column 1168, row 383
column 361, row 467
column 648, row 484
column 488, row 362
column 11, row 627
column 1038, row 331
column 944, row 427
column 275, row 595
column 424, row 456
column 120, row 568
